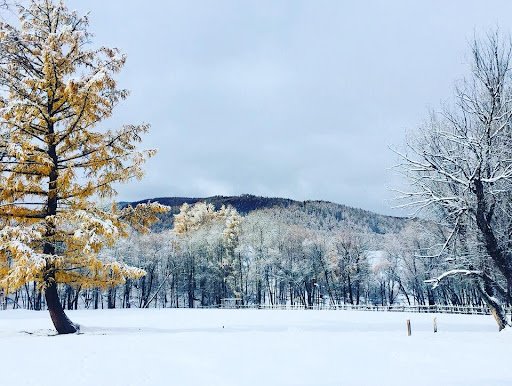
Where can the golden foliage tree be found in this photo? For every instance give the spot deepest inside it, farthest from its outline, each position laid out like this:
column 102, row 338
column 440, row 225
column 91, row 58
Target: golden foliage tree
column 54, row 160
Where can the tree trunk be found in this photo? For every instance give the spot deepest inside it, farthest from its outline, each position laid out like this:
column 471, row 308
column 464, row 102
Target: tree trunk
column 191, row 289
column 495, row 307
column 111, row 298
column 484, row 216
column 126, row 295
column 37, row 298
column 77, row 297
column 258, row 291
column 61, row 322
column 309, row 293
column 96, row 298
column 350, row 295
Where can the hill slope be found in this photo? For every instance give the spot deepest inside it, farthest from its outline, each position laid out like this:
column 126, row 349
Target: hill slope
column 312, row 214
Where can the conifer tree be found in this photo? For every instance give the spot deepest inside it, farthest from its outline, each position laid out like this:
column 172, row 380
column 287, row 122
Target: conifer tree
column 55, row 160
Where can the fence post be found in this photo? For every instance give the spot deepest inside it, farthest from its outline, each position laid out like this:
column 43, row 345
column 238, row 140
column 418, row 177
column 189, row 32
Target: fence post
column 408, row 327
column 435, row 325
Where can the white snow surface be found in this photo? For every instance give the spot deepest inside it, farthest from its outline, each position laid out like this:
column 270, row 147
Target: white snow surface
column 253, row 348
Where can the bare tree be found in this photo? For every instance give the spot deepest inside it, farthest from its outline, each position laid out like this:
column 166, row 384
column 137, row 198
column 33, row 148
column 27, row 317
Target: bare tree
column 460, row 167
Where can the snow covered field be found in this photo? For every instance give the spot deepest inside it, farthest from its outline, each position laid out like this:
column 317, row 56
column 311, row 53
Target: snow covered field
column 253, row 347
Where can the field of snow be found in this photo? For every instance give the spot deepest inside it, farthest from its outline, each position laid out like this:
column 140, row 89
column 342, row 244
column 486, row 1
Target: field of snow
column 253, row 348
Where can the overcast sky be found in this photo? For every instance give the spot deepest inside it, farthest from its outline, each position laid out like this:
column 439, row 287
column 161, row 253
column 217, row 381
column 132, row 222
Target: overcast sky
column 299, row 99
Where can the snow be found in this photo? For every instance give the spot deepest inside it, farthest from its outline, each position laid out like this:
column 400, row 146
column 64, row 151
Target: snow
column 253, row 347
column 452, row 272
column 98, row 77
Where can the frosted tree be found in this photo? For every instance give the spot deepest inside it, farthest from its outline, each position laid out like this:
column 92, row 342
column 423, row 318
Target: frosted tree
column 404, row 265
column 190, row 221
column 259, row 240
column 191, row 218
column 347, row 267
column 55, row 161
column 460, row 166
column 232, row 264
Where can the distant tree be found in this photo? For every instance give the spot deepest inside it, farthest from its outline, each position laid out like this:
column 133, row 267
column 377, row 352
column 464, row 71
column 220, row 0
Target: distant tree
column 55, row 161
column 259, row 243
column 413, row 261
column 460, row 166
column 189, row 222
column 348, row 263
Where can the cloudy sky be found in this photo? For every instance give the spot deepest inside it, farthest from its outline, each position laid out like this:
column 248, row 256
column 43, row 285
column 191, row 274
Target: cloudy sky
column 300, row 99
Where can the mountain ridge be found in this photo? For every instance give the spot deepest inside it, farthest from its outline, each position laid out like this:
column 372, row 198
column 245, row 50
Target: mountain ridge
column 247, row 203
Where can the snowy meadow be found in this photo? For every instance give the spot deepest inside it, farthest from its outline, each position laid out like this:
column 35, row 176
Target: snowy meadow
column 254, row 347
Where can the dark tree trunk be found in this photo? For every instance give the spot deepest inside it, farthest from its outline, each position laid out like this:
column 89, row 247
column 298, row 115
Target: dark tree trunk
column 96, row 298
column 111, row 298
column 350, row 295
column 309, row 293
column 77, row 296
column 61, row 322
column 484, row 215
column 191, row 289
column 430, row 296
column 68, row 298
column 267, row 279
column 402, row 288
column 241, row 278
column 191, row 282
column 328, row 285
column 258, row 291
column 495, row 307
column 38, row 298
column 126, row 295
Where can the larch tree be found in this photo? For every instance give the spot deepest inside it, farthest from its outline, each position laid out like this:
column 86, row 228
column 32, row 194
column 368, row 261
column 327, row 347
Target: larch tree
column 460, row 168
column 55, row 162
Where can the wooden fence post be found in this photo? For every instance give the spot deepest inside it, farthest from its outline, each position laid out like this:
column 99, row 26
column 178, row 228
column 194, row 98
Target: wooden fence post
column 408, row 327
column 435, row 325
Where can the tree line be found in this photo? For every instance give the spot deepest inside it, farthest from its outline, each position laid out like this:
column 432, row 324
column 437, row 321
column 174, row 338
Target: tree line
column 269, row 257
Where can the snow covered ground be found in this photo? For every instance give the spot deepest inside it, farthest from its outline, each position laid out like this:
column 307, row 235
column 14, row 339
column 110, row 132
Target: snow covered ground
column 253, row 348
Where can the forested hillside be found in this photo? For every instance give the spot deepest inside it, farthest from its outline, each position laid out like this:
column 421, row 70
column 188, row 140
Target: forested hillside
column 311, row 214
